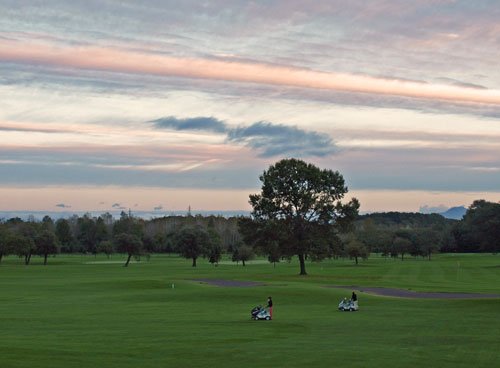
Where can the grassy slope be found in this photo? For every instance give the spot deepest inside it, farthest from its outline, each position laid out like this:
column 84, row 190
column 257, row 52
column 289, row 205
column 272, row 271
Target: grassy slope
column 71, row 314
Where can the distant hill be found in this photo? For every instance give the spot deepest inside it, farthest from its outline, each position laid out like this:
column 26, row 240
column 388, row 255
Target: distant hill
column 455, row 213
column 406, row 219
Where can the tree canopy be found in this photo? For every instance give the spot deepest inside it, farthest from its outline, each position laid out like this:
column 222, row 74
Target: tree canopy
column 300, row 208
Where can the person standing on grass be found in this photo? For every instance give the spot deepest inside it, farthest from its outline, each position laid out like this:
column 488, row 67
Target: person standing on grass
column 354, row 299
column 270, row 306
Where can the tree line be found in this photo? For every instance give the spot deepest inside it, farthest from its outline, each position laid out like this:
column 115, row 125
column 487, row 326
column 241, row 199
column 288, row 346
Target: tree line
column 392, row 234
column 298, row 213
column 397, row 234
column 190, row 236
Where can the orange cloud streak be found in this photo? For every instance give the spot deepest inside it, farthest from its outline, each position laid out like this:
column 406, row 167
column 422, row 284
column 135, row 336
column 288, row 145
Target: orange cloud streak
column 120, row 60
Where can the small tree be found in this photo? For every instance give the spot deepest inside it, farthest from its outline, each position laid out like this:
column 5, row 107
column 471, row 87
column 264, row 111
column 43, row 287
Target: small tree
column 213, row 249
column 130, row 244
column 402, row 246
column 356, row 249
column 21, row 245
column 242, row 253
column 106, row 247
column 274, row 253
column 429, row 241
column 46, row 243
column 213, row 253
column 191, row 242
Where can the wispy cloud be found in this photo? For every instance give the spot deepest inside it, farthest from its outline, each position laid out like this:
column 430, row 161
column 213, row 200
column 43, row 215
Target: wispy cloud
column 11, row 128
column 459, row 83
column 127, row 61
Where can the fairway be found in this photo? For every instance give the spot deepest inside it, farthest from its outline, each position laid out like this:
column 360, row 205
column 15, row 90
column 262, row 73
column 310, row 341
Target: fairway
column 82, row 311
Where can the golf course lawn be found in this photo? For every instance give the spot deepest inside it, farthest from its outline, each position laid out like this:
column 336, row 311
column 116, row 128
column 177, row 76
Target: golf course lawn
column 83, row 311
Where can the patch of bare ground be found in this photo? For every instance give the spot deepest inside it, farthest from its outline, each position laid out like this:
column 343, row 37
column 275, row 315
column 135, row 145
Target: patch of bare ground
column 230, row 283
column 402, row 293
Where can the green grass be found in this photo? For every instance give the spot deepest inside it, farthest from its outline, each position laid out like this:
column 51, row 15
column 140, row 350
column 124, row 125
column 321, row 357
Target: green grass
column 73, row 314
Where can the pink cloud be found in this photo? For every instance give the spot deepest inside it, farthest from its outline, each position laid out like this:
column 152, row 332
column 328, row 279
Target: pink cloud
column 125, row 61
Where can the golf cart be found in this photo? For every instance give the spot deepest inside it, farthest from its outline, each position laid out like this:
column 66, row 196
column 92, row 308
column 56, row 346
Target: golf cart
column 259, row 312
column 348, row 305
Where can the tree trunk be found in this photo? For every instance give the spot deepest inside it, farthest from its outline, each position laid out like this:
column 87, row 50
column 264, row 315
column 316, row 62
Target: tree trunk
column 128, row 260
column 243, row 261
column 302, row 265
column 402, row 256
column 194, row 262
column 356, row 258
column 45, row 260
column 1, row 255
column 430, row 256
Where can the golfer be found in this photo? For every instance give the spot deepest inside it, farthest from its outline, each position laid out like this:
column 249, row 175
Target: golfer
column 354, row 299
column 270, row 306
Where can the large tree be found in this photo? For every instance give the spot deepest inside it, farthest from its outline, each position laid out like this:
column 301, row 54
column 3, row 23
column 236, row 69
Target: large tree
column 300, row 207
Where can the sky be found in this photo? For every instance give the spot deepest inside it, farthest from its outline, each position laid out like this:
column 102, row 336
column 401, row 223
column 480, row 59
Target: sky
column 163, row 105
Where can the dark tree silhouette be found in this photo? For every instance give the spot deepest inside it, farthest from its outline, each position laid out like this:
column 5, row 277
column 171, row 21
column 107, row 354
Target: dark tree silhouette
column 300, row 205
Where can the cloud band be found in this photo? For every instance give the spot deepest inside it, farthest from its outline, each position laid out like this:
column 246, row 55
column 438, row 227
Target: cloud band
column 127, row 61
